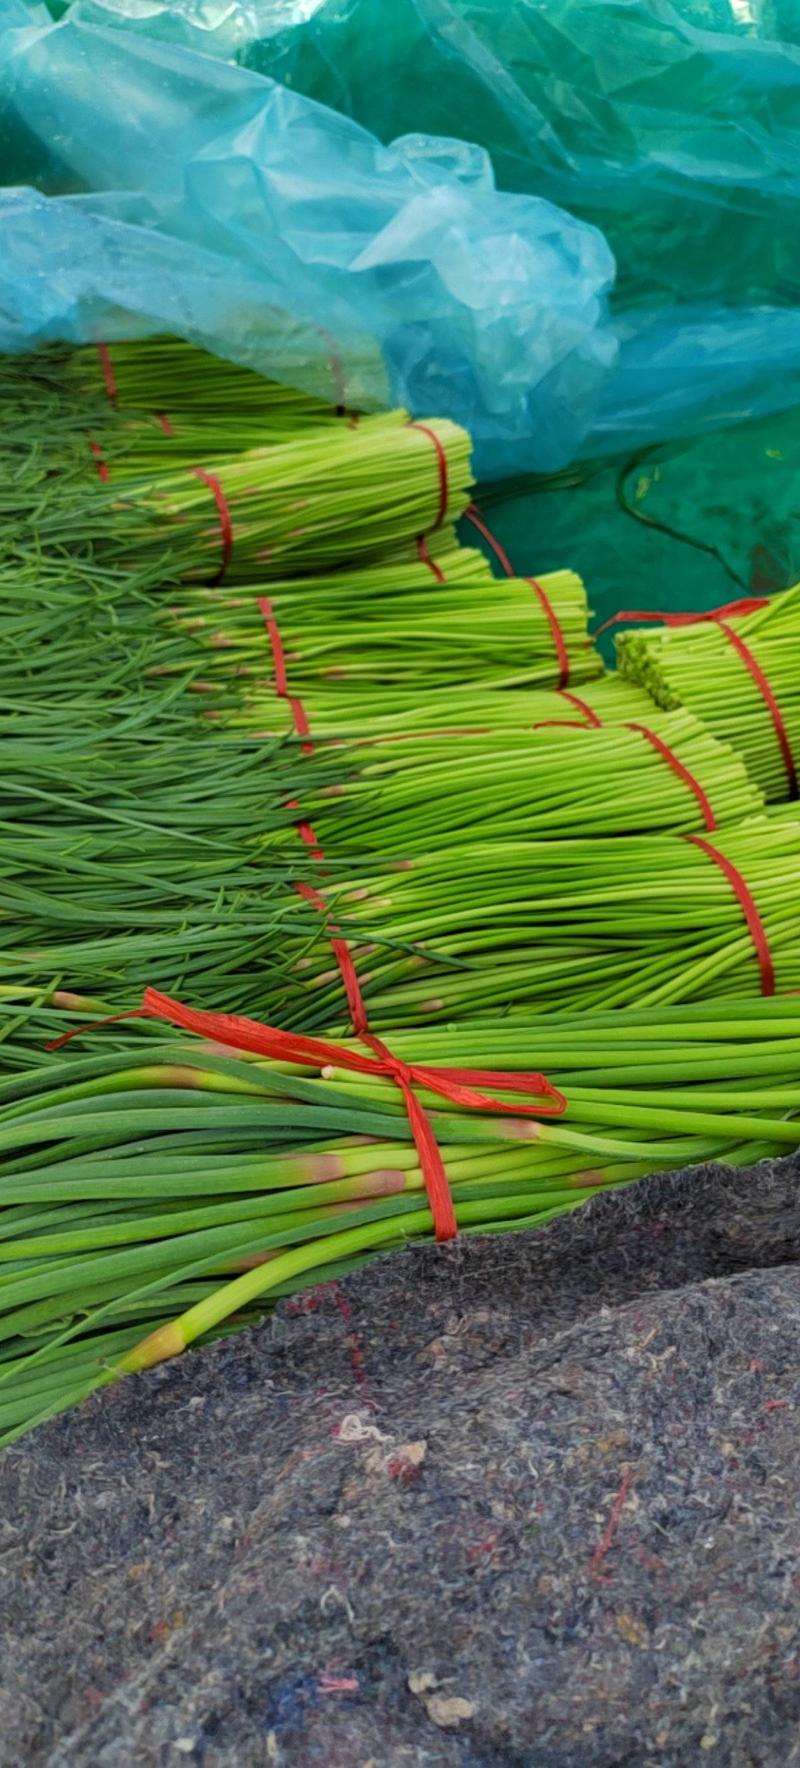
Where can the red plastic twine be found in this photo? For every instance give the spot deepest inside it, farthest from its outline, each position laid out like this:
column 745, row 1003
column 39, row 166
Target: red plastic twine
column 656, row 742
column 747, row 903
column 768, row 696
column 453, row 1084
column 444, row 498
column 459, row 1086
column 425, row 557
column 209, row 479
column 225, row 523
column 341, row 950
column 719, row 617
column 474, row 516
column 102, row 469
column 441, row 459
column 113, row 393
column 590, row 720
column 296, row 706
column 456, row 1085
column 108, row 372
column 682, row 772
column 111, row 389
column 580, row 705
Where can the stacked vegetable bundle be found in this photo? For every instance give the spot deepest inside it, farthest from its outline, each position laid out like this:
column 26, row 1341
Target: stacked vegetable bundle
column 406, row 799
column 185, row 1179
column 254, row 797
column 299, row 489
column 139, row 408
column 393, row 624
column 481, row 875
column 592, row 922
column 740, row 672
column 185, row 872
column 332, row 495
column 346, row 638
column 141, row 844
column 130, row 854
column 158, row 457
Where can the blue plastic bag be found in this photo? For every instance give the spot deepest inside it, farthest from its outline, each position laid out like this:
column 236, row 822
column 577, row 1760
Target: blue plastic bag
column 223, row 206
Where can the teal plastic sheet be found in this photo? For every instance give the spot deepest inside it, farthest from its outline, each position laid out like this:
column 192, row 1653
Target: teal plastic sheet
column 209, row 200
column 375, row 273
column 672, row 127
column 691, row 526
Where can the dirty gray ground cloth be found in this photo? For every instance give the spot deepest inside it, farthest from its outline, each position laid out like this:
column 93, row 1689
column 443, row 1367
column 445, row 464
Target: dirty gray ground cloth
column 530, row 1502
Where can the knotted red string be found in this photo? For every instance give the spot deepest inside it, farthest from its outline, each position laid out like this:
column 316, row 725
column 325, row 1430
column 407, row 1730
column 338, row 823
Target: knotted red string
column 458, row 1086
column 720, row 617
column 744, row 895
column 474, row 516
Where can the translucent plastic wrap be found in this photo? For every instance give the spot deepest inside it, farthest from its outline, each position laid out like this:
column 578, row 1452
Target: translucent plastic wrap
column 673, row 128
column 401, row 274
column 220, row 204
column 668, row 125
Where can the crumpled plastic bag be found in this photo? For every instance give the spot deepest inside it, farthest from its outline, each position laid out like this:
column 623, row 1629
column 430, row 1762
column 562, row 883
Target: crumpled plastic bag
column 211, row 201
column 672, row 127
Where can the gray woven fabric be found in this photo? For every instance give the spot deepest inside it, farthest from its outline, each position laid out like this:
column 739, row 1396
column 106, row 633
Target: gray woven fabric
column 530, row 1501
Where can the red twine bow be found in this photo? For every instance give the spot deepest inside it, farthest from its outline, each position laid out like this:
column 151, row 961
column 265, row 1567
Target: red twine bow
column 459, row 1086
